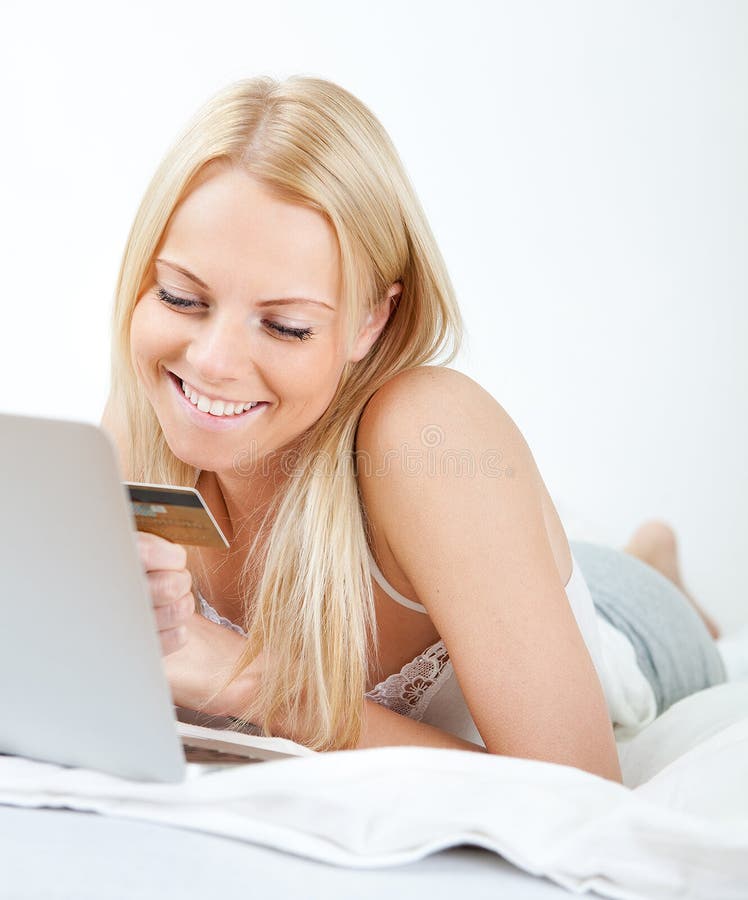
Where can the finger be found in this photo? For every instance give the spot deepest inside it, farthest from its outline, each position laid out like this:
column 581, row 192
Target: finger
column 158, row 553
column 166, row 585
column 172, row 640
column 172, row 615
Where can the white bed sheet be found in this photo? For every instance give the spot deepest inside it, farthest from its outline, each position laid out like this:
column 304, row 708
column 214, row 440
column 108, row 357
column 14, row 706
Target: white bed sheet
column 678, row 828
column 92, row 857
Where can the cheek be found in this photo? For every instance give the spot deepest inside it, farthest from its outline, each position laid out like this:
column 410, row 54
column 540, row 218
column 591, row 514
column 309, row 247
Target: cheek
column 313, row 373
column 318, row 379
column 146, row 335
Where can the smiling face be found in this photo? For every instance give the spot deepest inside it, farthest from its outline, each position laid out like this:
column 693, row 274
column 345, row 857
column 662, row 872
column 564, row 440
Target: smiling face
column 225, row 309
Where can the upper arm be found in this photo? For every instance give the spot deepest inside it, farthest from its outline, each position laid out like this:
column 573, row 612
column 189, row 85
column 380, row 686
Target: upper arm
column 457, row 495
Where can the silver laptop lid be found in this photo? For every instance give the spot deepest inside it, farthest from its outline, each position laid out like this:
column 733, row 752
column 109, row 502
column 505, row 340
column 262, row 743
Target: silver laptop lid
column 81, row 674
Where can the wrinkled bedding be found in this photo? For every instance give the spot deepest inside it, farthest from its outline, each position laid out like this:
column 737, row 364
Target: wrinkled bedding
column 678, row 827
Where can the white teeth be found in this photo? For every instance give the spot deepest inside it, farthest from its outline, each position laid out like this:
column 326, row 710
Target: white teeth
column 215, row 407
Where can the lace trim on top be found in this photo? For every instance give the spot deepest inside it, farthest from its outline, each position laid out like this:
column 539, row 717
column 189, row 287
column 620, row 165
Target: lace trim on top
column 409, row 691
column 209, row 613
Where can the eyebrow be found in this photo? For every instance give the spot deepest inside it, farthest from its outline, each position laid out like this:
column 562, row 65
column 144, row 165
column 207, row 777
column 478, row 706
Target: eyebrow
column 276, row 302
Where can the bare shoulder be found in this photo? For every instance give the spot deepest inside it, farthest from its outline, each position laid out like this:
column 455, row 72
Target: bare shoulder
column 430, row 424
column 418, row 402
column 425, row 379
column 438, row 422
column 424, row 388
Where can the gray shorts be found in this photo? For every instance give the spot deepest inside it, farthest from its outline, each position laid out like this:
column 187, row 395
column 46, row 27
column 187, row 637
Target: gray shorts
column 674, row 650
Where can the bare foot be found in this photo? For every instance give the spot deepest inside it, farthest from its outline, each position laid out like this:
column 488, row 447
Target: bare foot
column 655, row 543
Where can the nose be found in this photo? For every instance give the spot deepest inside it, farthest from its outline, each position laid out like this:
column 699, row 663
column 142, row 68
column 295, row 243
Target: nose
column 220, row 354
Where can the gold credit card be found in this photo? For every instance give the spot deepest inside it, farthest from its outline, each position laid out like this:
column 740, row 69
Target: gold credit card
column 178, row 514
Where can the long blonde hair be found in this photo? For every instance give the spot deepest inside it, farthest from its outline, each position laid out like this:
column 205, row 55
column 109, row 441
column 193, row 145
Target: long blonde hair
column 312, row 615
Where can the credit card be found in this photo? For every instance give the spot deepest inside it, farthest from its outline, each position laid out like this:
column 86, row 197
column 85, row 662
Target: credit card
column 178, row 514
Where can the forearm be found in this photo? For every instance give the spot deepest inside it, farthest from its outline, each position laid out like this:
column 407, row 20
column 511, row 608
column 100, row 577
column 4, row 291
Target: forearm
column 381, row 726
column 384, row 728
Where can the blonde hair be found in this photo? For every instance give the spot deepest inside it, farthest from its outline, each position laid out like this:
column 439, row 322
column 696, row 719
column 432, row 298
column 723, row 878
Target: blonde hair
column 312, row 617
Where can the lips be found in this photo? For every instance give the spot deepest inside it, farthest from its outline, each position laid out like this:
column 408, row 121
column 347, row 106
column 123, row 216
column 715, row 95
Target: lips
column 178, row 381
column 206, row 421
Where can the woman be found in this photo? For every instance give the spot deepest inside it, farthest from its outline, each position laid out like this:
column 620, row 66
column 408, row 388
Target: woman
column 279, row 314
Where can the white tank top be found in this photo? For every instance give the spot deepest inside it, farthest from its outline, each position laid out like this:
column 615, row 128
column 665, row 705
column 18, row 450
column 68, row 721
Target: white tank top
column 426, row 689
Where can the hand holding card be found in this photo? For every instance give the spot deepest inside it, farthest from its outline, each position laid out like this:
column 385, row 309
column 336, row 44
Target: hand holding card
column 178, row 514
column 170, row 587
column 197, row 653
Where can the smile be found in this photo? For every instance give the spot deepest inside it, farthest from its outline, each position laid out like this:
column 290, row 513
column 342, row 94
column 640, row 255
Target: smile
column 215, row 406
column 214, row 414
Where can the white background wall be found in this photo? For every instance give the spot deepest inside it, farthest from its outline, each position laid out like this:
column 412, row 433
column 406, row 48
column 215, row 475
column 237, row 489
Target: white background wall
column 585, row 169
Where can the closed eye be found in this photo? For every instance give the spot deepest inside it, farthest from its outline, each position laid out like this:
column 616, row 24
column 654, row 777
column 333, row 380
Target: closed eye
column 301, row 333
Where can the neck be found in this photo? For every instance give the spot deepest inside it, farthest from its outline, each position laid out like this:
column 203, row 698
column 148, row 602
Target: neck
column 237, row 505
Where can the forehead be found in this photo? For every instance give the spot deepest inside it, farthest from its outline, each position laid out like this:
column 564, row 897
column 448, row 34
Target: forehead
column 231, row 229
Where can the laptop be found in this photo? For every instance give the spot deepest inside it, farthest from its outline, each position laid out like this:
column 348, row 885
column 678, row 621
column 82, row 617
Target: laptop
column 81, row 669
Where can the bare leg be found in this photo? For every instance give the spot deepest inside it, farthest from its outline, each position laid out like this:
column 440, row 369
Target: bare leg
column 655, row 543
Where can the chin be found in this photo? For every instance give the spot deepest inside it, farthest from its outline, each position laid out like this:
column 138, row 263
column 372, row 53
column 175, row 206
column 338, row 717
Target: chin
column 188, row 450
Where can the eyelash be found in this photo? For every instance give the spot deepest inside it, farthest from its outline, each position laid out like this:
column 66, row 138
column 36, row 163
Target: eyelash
column 301, row 333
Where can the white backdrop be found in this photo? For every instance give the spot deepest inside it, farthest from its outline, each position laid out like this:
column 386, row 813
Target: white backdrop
column 585, row 169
